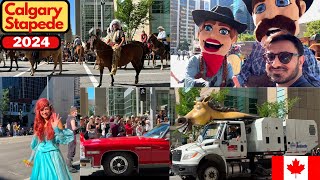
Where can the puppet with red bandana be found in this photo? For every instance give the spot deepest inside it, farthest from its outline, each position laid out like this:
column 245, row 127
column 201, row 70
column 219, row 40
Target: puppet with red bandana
column 218, row 30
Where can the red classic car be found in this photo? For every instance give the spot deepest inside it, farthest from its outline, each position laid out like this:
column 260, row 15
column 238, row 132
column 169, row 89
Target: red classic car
column 121, row 156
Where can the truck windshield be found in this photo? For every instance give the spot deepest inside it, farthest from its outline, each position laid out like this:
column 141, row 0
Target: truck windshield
column 158, row 131
column 213, row 131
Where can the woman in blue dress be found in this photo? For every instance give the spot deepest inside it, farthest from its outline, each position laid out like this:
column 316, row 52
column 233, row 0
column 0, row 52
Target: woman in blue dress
column 48, row 162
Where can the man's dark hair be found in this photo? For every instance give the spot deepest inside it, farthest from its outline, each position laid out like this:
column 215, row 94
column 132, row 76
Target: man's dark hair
column 285, row 37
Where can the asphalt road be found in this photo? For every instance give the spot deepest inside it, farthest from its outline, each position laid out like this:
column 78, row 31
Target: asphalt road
column 149, row 76
column 143, row 172
column 15, row 149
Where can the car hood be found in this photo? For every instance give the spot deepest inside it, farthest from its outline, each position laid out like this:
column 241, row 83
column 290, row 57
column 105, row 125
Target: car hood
column 121, row 140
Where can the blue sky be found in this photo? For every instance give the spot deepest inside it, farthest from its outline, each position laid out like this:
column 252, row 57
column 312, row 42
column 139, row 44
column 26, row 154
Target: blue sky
column 72, row 18
column 72, row 14
column 90, row 93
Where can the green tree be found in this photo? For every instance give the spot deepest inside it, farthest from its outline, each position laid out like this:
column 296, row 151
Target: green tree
column 4, row 102
column 132, row 15
column 246, row 37
column 91, row 110
column 184, row 46
column 276, row 109
column 312, row 28
column 186, row 101
column 219, row 96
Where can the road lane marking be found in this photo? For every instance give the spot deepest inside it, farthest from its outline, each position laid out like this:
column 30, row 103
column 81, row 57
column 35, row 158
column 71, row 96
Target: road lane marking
column 28, row 70
column 126, row 74
column 16, row 174
column 92, row 78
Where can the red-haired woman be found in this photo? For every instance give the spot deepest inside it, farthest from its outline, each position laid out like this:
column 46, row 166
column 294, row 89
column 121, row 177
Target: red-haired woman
column 48, row 134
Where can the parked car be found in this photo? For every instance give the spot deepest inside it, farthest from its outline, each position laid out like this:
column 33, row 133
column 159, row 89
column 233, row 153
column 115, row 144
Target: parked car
column 122, row 156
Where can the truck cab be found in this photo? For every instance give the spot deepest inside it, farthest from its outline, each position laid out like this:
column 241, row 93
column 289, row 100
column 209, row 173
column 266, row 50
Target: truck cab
column 219, row 142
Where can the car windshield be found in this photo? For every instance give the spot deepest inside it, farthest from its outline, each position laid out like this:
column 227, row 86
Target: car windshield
column 213, row 131
column 157, row 131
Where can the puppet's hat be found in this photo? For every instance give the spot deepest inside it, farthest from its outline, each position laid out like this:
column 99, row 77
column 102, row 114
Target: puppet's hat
column 218, row 13
column 249, row 4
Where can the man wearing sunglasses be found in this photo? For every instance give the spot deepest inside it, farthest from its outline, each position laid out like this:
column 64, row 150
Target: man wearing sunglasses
column 269, row 17
column 284, row 58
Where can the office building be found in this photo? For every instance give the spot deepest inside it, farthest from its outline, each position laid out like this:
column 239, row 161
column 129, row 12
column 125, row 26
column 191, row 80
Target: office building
column 90, row 15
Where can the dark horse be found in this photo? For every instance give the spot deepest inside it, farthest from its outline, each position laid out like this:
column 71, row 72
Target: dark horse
column 13, row 55
column 158, row 48
column 131, row 52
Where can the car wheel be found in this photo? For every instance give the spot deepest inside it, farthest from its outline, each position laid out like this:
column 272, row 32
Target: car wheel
column 209, row 171
column 118, row 164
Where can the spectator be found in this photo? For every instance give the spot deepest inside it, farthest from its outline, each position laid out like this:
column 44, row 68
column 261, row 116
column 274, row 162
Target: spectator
column 139, row 129
column 122, row 129
column 91, row 128
column 128, row 127
column 148, row 125
column 115, row 128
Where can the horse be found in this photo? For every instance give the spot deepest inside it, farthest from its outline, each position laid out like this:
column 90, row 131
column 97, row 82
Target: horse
column 3, row 57
column 79, row 54
column 131, row 52
column 158, row 48
column 13, row 55
column 204, row 111
column 54, row 54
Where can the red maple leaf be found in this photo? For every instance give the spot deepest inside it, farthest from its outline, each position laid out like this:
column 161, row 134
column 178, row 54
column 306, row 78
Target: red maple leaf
column 295, row 168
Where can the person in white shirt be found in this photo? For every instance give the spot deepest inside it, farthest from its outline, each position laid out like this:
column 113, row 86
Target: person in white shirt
column 162, row 36
column 148, row 125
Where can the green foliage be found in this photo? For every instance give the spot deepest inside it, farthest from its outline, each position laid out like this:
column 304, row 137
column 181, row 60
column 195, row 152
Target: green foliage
column 4, row 101
column 219, row 96
column 276, row 109
column 246, row 37
column 91, row 110
column 184, row 46
column 187, row 100
column 312, row 28
column 133, row 15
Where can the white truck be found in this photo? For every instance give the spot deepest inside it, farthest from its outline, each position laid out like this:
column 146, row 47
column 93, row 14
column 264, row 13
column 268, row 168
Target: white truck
column 243, row 148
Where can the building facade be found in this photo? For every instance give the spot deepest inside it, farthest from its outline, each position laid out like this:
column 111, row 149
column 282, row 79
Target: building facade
column 90, row 15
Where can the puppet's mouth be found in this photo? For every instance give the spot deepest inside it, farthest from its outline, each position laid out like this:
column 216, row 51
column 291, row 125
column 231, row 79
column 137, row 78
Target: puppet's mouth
column 212, row 45
column 272, row 31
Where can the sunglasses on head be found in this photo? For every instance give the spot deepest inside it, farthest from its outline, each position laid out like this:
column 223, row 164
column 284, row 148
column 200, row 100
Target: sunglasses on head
column 284, row 57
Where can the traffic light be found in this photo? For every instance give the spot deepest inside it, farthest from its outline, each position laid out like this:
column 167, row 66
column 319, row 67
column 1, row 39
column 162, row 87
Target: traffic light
column 143, row 94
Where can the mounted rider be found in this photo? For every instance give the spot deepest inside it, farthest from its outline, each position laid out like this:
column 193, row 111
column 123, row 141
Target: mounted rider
column 162, row 36
column 116, row 39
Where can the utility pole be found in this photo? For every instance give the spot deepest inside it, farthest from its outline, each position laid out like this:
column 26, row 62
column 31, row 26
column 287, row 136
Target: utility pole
column 102, row 17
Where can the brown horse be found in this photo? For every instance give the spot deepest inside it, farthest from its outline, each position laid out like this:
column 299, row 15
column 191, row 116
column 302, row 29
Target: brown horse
column 158, row 48
column 79, row 54
column 55, row 54
column 130, row 53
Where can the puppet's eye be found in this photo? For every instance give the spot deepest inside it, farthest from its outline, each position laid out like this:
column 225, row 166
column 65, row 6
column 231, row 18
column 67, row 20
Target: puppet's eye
column 260, row 8
column 283, row 3
column 224, row 31
column 208, row 27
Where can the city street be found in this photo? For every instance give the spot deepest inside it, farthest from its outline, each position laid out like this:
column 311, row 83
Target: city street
column 90, row 77
column 13, row 150
column 178, row 70
column 143, row 172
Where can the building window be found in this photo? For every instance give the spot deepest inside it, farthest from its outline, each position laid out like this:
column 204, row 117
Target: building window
column 157, row 7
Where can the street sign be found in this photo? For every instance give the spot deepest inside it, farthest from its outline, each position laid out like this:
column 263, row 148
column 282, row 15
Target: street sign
column 143, row 94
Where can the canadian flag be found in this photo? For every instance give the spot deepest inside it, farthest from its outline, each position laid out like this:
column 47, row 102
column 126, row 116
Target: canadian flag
column 295, row 168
